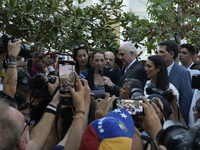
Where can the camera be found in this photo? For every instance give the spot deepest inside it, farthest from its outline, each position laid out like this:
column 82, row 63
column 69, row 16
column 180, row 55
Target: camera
column 176, row 135
column 196, row 81
column 25, row 49
column 166, row 94
column 96, row 97
column 39, row 87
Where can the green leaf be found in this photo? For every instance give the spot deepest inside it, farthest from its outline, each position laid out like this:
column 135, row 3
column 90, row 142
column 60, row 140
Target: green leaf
column 78, row 11
column 50, row 2
column 10, row 14
column 23, row 28
column 28, row 7
column 12, row 2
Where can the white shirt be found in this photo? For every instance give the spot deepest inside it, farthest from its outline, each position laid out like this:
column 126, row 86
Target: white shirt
column 170, row 68
column 195, row 97
column 171, row 86
column 190, row 65
column 111, row 69
column 193, row 71
column 129, row 65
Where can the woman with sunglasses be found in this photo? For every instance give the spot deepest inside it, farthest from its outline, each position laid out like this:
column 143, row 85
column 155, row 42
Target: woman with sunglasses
column 95, row 76
column 81, row 57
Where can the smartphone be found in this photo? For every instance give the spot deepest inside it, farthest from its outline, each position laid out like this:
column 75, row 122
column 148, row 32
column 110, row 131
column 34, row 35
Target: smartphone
column 29, row 65
column 66, row 78
column 36, row 55
column 51, row 61
column 66, row 75
column 133, row 106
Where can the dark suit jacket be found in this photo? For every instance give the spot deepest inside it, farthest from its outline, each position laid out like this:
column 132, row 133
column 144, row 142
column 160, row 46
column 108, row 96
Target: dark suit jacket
column 180, row 77
column 136, row 71
column 110, row 74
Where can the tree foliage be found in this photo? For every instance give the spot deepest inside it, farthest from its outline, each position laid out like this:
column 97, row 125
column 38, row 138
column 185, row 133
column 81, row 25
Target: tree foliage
column 168, row 19
column 60, row 24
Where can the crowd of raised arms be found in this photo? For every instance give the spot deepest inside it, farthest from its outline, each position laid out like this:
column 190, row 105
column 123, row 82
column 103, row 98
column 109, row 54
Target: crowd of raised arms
column 100, row 100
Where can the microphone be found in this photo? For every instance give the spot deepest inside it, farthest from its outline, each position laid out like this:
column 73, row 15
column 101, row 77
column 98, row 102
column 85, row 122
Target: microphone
column 83, row 75
column 100, row 72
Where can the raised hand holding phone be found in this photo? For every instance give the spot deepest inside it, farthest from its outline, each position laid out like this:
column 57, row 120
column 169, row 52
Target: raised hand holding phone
column 66, row 78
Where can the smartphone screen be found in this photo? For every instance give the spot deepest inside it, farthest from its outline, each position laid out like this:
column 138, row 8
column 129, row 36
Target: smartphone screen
column 30, row 62
column 51, row 61
column 133, row 106
column 66, row 75
column 36, row 55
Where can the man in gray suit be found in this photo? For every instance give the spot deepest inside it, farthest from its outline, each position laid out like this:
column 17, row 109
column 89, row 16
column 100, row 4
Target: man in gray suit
column 179, row 76
column 132, row 68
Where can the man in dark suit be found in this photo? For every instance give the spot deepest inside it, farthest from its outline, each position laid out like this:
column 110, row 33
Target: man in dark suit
column 109, row 65
column 179, row 76
column 132, row 68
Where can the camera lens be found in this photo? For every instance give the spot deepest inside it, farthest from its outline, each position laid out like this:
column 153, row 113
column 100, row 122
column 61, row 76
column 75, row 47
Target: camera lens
column 173, row 135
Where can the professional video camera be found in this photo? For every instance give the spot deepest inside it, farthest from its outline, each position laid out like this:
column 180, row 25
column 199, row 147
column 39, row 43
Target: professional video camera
column 166, row 94
column 196, row 81
column 176, row 135
column 39, row 87
column 25, row 49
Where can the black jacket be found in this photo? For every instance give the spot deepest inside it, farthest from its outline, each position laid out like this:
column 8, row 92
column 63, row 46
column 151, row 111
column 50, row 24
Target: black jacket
column 110, row 74
column 136, row 71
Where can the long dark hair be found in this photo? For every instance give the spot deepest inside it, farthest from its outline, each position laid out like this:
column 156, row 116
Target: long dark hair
column 74, row 57
column 162, row 80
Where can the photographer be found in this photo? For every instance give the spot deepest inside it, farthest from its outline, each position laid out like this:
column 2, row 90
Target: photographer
column 150, row 122
column 10, row 80
column 81, row 101
column 176, row 115
column 132, row 88
column 129, row 84
column 41, row 131
column 101, row 111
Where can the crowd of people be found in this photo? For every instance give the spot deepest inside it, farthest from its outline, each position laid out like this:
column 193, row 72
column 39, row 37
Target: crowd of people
column 35, row 115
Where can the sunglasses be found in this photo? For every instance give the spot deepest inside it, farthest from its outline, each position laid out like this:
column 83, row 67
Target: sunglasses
column 80, row 46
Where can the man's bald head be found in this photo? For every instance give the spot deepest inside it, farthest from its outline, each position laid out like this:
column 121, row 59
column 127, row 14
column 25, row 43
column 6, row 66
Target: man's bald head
column 110, row 60
column 11, row 127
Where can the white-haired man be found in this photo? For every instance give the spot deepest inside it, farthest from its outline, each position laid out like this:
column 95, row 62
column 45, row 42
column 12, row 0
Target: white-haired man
column 132, row 68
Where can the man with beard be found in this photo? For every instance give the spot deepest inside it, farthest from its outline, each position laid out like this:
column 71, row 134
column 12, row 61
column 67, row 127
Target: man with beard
column 110, row 61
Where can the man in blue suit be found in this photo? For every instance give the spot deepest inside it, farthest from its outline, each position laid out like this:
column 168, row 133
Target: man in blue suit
column 179, row 76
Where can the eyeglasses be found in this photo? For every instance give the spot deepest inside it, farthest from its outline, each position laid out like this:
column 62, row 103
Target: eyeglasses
column 26, row 117
column 194, row 109
column 80, row 46
column 27, row 122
